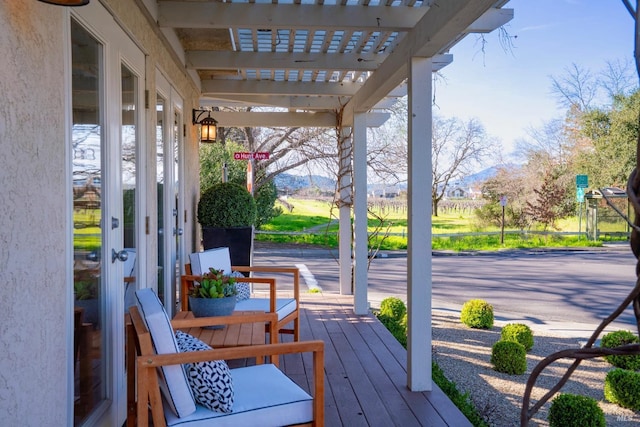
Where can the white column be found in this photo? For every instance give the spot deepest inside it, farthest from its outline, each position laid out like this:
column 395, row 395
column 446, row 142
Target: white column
column 361, row 280
column 419, row 226
column 344, row 211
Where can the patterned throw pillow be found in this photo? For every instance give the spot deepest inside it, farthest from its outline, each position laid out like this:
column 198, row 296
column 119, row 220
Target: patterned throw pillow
column 243, row 288
column 210, row 381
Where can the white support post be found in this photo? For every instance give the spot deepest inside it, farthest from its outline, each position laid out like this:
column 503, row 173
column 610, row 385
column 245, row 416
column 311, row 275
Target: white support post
column 344, row 220
column 361, row 280
column 419, row 282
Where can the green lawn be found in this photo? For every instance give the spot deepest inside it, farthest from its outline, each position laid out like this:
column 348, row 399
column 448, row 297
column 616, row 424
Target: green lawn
column 314, row 221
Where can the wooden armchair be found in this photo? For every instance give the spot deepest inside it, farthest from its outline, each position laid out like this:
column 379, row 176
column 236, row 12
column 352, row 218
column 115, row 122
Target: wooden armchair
column 287, row 308
column 262, row 394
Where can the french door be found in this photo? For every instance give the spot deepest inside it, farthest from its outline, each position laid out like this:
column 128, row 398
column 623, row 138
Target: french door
column 169, row 125
column 107, row 87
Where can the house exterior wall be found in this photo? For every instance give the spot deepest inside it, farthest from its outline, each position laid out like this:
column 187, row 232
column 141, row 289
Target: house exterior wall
column 33, row 223
column 35, row 201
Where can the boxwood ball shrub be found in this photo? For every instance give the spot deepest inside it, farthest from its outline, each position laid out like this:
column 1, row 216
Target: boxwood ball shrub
column 393, row 315
column 622, row 387
column 477, row 313
column 226, row 205
column 572, row 410
column 393, row 307
column 616, row 339
column 518, row 332
column 509, row 357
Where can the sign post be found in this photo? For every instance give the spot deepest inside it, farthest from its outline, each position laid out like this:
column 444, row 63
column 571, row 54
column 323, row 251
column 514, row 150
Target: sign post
column 582, row 182
column 503, row 203
column 250, row 157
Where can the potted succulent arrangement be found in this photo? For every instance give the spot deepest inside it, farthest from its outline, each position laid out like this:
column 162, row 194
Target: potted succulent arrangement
column 227, row 214
column 213, row 295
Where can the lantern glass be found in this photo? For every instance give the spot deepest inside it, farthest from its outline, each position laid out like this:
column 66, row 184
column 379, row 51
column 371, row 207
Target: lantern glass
column 208, row 130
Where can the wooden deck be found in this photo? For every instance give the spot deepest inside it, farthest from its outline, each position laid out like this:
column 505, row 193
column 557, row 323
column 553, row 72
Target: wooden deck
column 365, row 370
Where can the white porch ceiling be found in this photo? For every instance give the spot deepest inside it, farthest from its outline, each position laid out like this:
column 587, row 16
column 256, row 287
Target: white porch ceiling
column 315, row 56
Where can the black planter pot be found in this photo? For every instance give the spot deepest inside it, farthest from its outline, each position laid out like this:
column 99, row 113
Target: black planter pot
column 239, row 240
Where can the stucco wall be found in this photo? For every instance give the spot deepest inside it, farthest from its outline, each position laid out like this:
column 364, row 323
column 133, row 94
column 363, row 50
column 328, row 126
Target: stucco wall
column 33, row 293
column 35, row 321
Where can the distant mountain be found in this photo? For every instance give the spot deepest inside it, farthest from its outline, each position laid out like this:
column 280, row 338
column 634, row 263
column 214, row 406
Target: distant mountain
column 290, row 182
column 481, row 176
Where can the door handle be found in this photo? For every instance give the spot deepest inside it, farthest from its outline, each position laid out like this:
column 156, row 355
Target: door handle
column 121, row 256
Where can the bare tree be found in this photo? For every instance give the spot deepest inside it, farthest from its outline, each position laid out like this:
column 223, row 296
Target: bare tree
column 288, row 148
column 387, row 147
column 617, row 78
column 547, row 143
column 456, row 147
column 576, row 88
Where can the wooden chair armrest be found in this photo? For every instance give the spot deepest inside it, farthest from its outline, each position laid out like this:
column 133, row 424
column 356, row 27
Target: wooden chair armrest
column 231, row 353
column 199, row 322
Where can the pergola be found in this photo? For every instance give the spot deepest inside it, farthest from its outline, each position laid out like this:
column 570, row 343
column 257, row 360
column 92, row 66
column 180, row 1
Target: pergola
column 330, row 62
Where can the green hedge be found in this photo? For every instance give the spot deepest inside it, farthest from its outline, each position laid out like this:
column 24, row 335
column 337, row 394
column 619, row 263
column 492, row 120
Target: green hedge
column 477, row 313
column 518, row 332
column 509, row 357
column 617, row 339
column 622, row 387
column 572, row 410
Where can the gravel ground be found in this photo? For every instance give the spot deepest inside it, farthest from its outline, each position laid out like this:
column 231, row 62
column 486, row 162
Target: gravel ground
column 464, row 355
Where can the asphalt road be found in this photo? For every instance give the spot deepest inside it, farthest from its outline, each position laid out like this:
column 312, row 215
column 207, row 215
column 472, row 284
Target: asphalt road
column 556, row 287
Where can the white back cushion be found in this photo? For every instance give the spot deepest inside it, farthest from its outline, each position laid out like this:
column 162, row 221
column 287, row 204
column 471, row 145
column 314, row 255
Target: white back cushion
column 173, row 379
column 217, row 258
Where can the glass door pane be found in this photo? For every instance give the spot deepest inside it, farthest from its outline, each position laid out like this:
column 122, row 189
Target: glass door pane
column 175, row 199
column 88, row 146
column 129, row 88
column 160, row 181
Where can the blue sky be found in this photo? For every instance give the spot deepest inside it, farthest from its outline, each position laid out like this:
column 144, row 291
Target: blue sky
column 511, row 91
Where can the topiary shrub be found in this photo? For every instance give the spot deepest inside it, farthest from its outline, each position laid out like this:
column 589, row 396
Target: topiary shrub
column 616, row 339
column 226, row 205
column 622, row 387
column 477, row 313
column 509, row 357
column 518, row 332
column 393, row 307
column 572, row 410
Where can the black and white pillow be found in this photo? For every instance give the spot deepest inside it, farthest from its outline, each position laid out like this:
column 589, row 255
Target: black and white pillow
column 210, row 381
column 243, row 288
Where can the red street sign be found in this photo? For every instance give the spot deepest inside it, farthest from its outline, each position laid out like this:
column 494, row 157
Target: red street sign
column 260, row 155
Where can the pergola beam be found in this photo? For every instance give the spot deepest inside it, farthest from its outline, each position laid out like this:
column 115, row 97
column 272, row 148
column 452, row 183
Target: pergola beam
column 287, row 16
column 289, row 102
column 216, row 60
column 238, row 87
column 286, row 119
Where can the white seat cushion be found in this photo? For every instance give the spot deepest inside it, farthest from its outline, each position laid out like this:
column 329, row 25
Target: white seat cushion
column 263, row 396
column 284, row 306
column 173, row 379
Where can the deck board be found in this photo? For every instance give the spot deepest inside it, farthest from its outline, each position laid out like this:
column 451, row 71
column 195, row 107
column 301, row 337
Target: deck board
column 365, row 370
